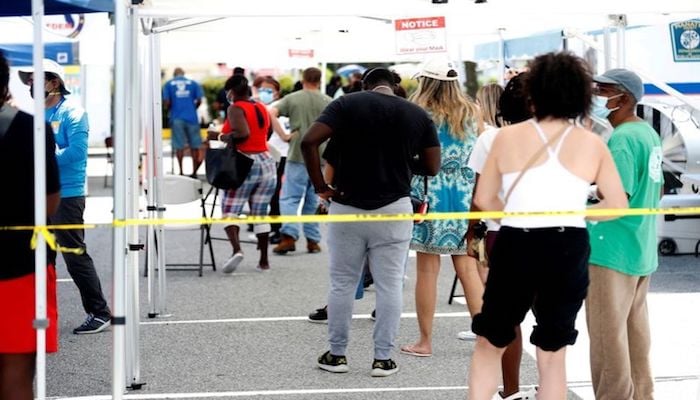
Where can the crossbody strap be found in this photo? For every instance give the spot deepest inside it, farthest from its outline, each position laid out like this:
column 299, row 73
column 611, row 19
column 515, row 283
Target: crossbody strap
column 532, row 161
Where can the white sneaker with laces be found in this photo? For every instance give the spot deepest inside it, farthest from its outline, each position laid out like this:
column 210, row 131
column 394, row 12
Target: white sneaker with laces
column 466, row 335
column 232, row 263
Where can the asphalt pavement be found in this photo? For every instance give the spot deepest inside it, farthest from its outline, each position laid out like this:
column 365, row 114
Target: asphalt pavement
column 245, row 335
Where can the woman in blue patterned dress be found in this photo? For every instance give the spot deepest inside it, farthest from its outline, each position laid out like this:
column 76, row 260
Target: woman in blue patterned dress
column 458, row 121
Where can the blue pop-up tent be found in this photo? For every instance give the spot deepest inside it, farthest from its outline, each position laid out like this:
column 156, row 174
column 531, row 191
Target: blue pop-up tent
column 21, row 54
column 16, row 8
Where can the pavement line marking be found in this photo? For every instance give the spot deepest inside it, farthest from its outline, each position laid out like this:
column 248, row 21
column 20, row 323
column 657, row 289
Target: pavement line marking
column 182, row 395
column 64, row 280
column 270, row 393
column 281, row 319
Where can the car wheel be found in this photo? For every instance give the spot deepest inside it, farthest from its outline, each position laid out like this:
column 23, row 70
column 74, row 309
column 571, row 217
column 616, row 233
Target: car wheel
column 667, row 247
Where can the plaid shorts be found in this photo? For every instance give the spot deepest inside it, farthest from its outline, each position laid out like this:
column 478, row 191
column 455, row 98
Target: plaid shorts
column 257, row 189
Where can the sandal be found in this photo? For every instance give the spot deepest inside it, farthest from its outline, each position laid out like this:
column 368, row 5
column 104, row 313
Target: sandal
column 411, row 351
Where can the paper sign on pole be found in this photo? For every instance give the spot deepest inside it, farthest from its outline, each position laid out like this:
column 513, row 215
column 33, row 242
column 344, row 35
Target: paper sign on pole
column 420, row 35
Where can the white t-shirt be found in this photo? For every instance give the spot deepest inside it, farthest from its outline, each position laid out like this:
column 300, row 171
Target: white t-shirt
column 477, row 160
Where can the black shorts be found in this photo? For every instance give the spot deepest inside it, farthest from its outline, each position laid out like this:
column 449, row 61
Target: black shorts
column 542, row 268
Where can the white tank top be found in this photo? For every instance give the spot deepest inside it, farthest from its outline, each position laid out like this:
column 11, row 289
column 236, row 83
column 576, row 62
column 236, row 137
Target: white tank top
column 546, row 187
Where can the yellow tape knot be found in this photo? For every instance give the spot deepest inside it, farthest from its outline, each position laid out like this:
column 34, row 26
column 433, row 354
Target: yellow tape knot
column 51, row 241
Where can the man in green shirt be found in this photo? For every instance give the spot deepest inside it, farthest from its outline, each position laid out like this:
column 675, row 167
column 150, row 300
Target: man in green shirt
column 302, row 108
column 623, row 251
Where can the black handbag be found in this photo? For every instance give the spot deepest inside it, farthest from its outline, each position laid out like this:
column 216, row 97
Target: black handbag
column 420, row 204
column 227, row 168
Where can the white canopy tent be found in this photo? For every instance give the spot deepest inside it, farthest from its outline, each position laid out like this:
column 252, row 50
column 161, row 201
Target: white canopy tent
column 250, row 21
column 242, row 33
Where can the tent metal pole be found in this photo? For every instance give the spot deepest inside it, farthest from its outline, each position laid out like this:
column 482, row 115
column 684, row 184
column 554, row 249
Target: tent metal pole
column 621, row 23
column 606, row 49
column 40, row 322
column 158, row 153
column 133, row 314
column 151, row 167
column 501, row 57
column 184, row 23
column 120, row 160
column 644, row 74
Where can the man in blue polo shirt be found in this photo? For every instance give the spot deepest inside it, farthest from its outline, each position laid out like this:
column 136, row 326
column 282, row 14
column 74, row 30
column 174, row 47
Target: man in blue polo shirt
column 182, row 96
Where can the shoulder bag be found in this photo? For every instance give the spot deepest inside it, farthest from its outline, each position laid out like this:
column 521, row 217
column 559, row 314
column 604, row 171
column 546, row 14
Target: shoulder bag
column 227, row 168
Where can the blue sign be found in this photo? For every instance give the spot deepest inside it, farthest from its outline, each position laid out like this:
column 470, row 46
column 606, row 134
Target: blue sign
column 685, row 36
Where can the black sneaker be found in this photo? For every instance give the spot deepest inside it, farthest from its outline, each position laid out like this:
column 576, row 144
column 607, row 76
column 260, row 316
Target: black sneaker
column 329, row 362
column 92, row 324
column 320, row 316
column 382, row 368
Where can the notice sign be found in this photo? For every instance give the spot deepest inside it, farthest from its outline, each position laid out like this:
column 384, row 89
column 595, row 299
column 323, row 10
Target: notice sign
column 685, row 37
column 420, row 35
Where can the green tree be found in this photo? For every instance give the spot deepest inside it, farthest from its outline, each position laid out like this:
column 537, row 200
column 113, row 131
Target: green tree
column 211, row 87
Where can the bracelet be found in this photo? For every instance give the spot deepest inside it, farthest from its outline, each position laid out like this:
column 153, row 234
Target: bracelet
column 219, row 137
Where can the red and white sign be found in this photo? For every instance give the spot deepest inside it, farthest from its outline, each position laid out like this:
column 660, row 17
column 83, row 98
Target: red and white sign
column 420, row 35
column 68, row 25
column 301, row 53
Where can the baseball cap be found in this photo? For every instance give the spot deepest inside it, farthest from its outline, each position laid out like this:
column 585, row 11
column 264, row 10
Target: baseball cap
column 625, row 78
column 50, row 67
column 440, row 69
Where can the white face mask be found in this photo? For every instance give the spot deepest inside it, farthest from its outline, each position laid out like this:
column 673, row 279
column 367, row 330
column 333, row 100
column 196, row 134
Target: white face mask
column 599, row 106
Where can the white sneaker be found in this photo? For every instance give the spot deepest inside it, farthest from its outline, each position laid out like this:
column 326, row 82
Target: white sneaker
column 529, row 395
column 232, row 263
column 466, row 335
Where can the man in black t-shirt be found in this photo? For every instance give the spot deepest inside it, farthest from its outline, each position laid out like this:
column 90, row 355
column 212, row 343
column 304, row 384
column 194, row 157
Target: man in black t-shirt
column 377, row 140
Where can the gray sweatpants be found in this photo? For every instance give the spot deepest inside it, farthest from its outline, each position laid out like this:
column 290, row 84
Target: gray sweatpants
column 386, row 246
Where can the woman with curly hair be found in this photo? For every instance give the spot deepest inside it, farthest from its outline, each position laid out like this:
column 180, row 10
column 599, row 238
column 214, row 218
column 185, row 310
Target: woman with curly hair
column 541, row 262
column 458, row 121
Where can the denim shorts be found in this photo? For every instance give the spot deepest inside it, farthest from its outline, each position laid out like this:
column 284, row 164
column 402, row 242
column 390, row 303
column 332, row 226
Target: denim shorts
column 545, row 269
column 185, row 132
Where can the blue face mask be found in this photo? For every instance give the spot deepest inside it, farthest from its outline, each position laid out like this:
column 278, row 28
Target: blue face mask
column 599, row 106
column 266, row 95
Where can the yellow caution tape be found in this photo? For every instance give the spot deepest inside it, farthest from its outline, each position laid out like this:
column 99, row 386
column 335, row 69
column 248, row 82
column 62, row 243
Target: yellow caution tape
column 367, row 217
column 51, row 241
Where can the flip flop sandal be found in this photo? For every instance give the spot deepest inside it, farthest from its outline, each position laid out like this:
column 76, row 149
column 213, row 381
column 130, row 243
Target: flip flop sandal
column 408, row 350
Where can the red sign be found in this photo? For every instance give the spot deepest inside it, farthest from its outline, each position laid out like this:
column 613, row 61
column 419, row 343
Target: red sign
column 420, row 35
column 419, row 23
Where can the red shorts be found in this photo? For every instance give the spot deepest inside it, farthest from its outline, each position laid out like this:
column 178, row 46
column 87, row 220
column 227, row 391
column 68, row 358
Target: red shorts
column 17, row 313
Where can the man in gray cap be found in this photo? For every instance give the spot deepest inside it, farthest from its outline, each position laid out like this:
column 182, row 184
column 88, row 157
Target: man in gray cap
column 623, row 251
